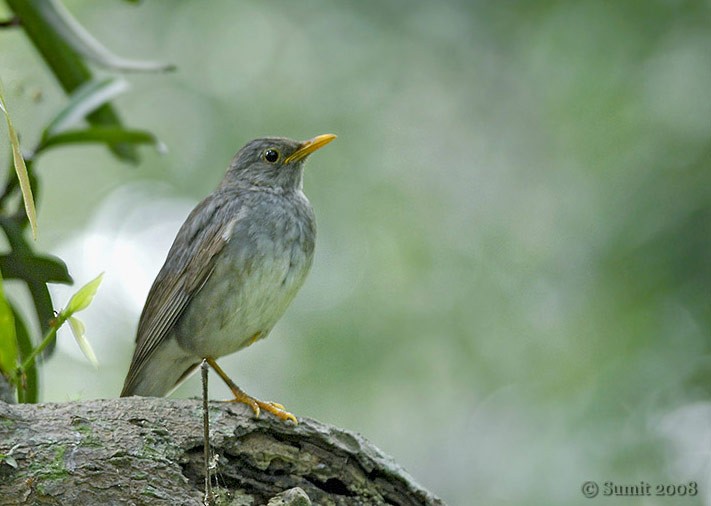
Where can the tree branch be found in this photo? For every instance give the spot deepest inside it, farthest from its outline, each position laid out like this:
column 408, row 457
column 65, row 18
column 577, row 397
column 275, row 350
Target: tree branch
column 150, row 451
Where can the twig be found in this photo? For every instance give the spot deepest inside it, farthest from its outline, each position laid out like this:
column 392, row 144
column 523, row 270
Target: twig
column 206, row 428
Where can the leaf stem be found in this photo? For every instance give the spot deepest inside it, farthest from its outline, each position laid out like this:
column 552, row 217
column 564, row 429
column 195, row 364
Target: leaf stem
column 48, row 338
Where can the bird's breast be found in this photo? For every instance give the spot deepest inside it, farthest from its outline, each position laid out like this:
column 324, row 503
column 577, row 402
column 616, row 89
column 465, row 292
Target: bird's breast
column 255, row 278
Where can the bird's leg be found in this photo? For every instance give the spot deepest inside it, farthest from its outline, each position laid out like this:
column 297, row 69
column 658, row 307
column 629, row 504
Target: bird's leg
column 241, row 396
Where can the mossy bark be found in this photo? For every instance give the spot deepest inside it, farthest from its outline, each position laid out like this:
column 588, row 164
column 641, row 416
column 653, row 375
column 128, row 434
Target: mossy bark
column 150, row 451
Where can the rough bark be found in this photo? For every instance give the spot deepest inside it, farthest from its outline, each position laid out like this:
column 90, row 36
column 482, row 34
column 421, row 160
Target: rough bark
column 150, row 451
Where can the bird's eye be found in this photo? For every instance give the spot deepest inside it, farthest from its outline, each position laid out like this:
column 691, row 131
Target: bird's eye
column 271, row 155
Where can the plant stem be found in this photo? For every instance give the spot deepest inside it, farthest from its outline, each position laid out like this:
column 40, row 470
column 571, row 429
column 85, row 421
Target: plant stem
column 48, row 338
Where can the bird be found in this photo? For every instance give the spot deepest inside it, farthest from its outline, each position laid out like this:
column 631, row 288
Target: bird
column 233, row 269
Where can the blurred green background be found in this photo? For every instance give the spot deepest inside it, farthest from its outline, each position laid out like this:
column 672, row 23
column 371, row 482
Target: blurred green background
column 510, row 293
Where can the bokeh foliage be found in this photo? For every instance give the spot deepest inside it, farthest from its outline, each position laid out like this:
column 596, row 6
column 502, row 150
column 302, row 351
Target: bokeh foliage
column 511, row 287
column 64, row 47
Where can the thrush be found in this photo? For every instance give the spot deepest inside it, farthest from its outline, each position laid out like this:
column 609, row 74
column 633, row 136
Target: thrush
column 234, row 267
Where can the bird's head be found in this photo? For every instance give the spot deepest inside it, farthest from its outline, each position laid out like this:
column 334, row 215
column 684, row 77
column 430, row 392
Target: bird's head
column 275, row 162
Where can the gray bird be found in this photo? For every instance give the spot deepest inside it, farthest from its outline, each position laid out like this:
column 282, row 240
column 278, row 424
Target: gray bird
column 234, row 267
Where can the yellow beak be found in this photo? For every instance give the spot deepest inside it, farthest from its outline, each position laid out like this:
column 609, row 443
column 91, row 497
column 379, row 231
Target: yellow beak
column 308, row 147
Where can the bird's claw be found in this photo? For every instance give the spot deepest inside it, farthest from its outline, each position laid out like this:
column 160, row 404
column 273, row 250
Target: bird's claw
column 274, row 408
column 277, row 410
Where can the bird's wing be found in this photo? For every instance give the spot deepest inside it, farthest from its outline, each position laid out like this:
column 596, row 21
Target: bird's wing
column 190, row 262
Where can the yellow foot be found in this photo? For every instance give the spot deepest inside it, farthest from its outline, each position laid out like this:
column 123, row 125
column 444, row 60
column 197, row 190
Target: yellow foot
column 274, row 408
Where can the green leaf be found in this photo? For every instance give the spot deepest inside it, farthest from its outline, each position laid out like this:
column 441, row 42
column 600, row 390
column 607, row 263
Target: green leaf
column 20, row 252
column 79, row 330
column 85, row 100
column 8, row 338
column 28, row 386
column 76, row 36
column 108, row 135
column 83, row 297
column 20, row 169
column 67, row 66
column 45, row 269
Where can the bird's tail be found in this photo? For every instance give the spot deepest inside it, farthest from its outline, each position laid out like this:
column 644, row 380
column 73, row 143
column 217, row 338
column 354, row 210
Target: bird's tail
column 160, row 373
